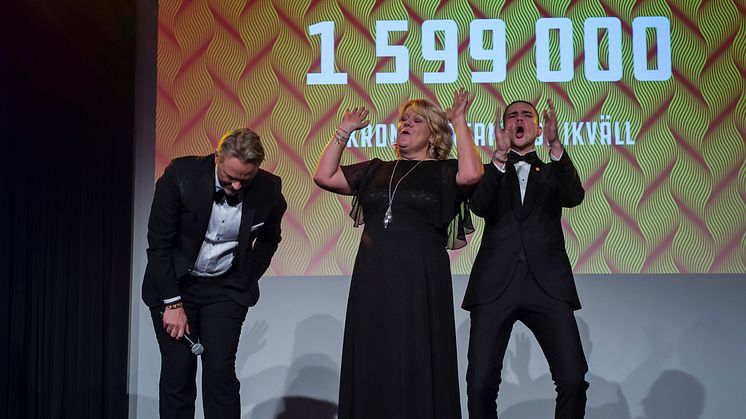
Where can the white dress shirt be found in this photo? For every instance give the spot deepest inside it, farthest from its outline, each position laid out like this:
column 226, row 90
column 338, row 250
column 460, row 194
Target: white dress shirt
column 523, row 169
column 216, row 254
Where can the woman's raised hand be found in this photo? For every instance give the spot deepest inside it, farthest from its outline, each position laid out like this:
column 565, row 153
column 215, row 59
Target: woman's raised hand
column 461, row 102
column 354, row 119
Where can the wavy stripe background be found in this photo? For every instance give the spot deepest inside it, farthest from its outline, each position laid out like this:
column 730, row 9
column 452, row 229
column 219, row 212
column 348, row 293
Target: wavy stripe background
column 673, row 202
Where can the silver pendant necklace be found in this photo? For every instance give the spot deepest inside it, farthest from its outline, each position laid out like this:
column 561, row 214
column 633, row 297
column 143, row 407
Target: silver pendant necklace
column 388, row 217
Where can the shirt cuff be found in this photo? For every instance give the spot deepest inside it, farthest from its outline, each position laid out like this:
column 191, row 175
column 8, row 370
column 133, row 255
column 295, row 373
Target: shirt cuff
column 556, row 158
column 501, row 169
column 172, row 300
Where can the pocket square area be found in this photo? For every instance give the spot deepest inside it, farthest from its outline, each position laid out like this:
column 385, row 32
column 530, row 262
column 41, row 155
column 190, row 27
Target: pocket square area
column 257, row 226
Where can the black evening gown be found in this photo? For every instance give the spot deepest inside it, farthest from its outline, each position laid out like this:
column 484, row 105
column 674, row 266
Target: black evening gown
column 399, row 351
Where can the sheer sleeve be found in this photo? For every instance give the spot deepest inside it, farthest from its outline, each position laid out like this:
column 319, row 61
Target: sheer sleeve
column 357, row 176
column 454, row 207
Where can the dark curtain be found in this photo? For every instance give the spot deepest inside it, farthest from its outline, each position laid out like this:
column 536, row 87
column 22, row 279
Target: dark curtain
column 67, row 131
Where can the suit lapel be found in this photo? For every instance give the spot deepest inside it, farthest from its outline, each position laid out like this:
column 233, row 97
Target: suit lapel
column 248, row 209
column 205, row 196
column 535, row 173
column 515, row 189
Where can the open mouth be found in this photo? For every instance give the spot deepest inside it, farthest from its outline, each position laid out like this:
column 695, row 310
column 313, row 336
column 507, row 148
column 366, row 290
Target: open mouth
column 404, row 132
column 519, row 132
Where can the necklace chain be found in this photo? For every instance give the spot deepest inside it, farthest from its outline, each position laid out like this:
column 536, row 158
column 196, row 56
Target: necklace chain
column 389, row 217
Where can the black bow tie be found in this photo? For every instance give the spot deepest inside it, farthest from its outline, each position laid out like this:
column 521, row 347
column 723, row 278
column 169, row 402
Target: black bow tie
column 220, row 195
column 529, row 157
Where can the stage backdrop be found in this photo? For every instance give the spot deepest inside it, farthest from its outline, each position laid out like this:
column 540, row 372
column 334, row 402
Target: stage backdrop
column 651, row 106
column 649, row 97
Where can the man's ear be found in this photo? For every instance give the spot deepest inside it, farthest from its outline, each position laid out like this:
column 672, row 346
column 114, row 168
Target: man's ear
column 538, row 131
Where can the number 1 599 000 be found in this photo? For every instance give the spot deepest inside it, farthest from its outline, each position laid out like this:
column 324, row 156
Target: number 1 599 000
column 479, row 29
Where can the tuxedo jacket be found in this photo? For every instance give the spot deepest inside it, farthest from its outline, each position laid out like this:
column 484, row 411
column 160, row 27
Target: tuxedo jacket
column 532, row 227
column 178, row 222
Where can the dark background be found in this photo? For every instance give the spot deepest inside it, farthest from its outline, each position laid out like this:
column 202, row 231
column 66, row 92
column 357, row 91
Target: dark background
column 67, row 126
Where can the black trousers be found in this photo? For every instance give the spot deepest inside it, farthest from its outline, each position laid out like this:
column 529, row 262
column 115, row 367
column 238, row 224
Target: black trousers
column 215, row 320
column 550, row 320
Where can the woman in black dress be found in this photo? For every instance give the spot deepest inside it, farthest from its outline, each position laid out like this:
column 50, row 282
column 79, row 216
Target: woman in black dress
column 399, row 352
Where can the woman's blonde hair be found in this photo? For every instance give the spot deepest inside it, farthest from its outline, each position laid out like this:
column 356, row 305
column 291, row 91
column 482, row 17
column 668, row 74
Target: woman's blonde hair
column 437, row 121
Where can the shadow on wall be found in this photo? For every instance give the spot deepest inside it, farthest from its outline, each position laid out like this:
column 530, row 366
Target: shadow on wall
column 534, row 398
column 715, row 364
column 714, row 352
column 711, row 372
column 675, row 394
column 310, row 385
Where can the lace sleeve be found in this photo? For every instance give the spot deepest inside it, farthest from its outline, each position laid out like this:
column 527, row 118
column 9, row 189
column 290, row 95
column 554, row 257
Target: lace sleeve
column 455, row 208
column 357, row 176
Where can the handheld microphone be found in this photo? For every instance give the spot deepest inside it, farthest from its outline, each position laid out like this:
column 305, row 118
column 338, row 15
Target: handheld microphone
column 195, row 347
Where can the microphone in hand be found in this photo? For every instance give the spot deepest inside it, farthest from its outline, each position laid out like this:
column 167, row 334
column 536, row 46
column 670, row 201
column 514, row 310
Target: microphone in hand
column 196, row 347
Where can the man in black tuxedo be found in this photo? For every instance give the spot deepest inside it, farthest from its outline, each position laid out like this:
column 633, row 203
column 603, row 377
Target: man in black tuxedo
column 522, row 271
column 214, row 227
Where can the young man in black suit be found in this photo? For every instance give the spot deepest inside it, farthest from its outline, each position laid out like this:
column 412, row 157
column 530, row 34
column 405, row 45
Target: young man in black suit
column 522, row 272
column 213, row 229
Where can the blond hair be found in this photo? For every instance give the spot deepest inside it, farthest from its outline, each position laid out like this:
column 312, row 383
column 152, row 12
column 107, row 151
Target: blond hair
column 437, row 122
column 243, row 144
